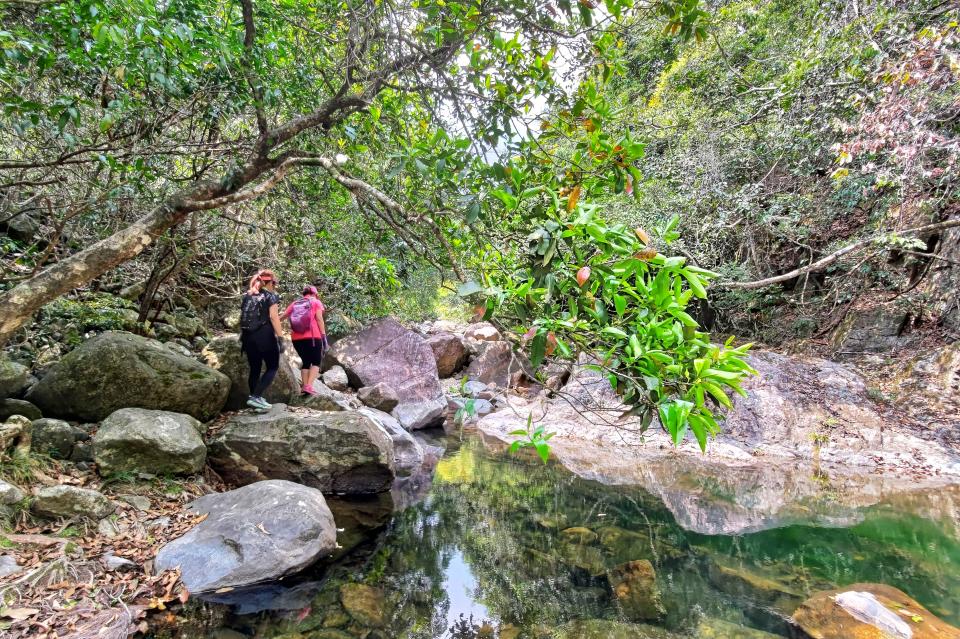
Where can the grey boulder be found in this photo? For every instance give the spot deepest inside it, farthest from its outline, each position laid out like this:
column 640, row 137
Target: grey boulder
column 385, row 351
column 117, row 370
column 407, row 452
column 70, row 501
column 224, row 354
column 150, row 441
column 10, row 407
column 10, row 494
column 335, row 452
column 56, row 438
column 13, row 378
column 253, row 534
column 336, row 378
column 379, row 396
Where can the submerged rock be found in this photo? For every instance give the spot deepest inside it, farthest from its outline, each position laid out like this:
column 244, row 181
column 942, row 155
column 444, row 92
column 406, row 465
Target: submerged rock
column 869, row 611
column 335, row 452
column 70, row 501
column 387, row 352
column 252, row 534
column 606, row 629
column 367, row 605
column 150, row 441
column 635, row 588
column 121, row 370
column 711, row 628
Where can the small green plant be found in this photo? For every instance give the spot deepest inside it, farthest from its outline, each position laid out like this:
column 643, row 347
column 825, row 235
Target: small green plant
column 69, row 532
column 6, row 543
column 536, row 438
column 876, row 394
column 22, row 469
column 466, row 412
column 121, row 477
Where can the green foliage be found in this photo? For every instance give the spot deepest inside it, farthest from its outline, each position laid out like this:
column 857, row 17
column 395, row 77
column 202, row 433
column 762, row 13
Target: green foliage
column 608, row 292
column 90, row 312
column 535, row 438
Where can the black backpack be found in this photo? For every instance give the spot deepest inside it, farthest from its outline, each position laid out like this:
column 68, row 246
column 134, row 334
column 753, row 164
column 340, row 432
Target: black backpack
column 253, row 313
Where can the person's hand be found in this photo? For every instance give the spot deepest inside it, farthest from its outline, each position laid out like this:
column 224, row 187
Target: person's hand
column 326, row 344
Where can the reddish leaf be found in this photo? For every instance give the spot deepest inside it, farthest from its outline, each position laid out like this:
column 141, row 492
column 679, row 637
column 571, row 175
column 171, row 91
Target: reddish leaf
column 574, row 197
column 583, row 275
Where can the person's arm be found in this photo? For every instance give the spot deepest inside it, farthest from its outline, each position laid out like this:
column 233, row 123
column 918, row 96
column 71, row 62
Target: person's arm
column 320, row 324
column 275, row 320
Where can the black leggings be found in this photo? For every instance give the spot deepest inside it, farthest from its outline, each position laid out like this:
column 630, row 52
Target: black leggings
column 310, row 351
column 261, row 348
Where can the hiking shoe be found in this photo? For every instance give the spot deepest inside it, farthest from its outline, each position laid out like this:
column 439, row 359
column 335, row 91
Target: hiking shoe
column 262, row 403
column 309, row 390
column 253, row 403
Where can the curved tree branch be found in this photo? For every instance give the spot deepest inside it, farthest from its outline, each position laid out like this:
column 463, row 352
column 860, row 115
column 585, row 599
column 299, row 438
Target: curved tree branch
column 835, row 256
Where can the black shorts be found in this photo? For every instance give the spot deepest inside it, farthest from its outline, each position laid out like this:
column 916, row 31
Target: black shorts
column 310, row 351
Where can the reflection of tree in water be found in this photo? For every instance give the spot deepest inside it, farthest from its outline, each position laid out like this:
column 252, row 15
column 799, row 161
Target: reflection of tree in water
column 539, row 543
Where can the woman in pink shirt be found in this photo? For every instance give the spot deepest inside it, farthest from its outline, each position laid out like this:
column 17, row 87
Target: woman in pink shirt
column 309, row 335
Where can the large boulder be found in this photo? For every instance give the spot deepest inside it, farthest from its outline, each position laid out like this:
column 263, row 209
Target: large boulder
column 10, row 407
column 224, row 354
column 70, row 501
column 13, row 378
column 869, row 611
column 120, row 370
column 252, row 534
column 56, row 438
column 498, row 364
column 387, row 352
column 151, row 441
column 449, row 352
column 335, row 452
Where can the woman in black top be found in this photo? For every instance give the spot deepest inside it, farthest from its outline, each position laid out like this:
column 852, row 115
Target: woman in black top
column 261, row 334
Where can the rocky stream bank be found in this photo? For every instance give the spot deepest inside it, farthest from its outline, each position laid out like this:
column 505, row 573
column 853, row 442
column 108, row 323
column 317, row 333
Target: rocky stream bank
column 133, row 481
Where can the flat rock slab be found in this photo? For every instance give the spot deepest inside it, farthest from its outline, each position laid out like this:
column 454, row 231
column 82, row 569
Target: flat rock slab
column 70, row 501
column 253, row 534
column 117, row 370
column 335, row 452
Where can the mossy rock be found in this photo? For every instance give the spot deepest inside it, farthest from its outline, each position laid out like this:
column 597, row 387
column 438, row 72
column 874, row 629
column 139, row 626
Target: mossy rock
column 117, row 370
column 366, row 604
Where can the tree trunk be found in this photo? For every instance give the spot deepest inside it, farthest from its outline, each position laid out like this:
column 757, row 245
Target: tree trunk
column 22, row 301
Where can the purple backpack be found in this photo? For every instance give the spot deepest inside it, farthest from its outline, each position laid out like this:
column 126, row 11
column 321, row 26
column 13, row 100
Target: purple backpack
column 301, row 317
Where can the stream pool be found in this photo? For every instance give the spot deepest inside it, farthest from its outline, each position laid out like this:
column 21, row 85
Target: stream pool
column 504, row 546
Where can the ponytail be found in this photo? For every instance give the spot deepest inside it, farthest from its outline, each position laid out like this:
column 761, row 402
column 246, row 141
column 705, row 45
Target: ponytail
column 257, row 281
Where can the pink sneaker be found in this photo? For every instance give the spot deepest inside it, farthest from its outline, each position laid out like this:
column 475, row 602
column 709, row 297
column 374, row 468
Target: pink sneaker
column 308, row 390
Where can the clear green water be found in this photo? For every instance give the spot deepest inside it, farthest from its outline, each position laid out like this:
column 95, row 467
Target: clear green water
column 490, row 541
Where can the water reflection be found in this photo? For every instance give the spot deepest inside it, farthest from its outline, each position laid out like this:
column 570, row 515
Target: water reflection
column 507, row 547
